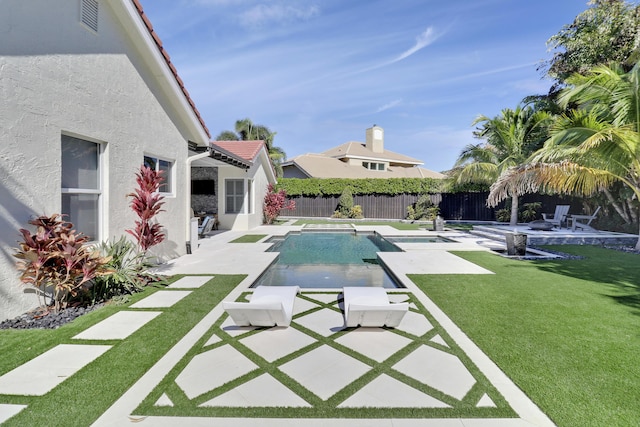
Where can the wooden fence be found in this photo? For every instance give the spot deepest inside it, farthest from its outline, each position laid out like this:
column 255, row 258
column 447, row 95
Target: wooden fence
column 458, row 206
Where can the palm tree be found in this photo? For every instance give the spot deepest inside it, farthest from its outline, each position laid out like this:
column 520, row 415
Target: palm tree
column 246, row 130
column 592, row 147
column 510, row 137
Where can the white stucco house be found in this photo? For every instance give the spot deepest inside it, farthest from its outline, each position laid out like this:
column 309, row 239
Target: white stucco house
column 88, row 95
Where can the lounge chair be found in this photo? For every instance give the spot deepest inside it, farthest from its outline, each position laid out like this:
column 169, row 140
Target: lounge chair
column 207, row 225
column 558, row 217
column 370, row 307
column 586, row 225
column 269, row 306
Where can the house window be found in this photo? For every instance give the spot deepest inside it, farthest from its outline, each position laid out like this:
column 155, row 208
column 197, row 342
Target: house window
column 89, row 14
column 373, row 166
column 81, row 185
column 234, row 196
column 164, row 166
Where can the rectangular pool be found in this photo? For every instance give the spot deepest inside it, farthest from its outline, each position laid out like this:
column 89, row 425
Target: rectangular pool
column 328, row 260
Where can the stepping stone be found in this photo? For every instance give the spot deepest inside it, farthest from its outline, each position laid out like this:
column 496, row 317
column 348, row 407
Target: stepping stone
column 325, row 370
column 301, row 305
column 325, row 298
column 42, row 374
column 386, row 392
column 275, row 343
column 439, row 340
column 485, row 402
column 213, row 340
column 415, row 324
column 161, row 299
column 264, row 391
column 8, row 410
column 164, row 401
column 190, row 282
column 324, row 322
column 118, row 326
column 211, row 369
column 438, row 369
column 375, row 343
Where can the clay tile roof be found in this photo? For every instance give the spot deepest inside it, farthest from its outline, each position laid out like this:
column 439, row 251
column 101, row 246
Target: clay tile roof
column 167, row 58
column 246, row 150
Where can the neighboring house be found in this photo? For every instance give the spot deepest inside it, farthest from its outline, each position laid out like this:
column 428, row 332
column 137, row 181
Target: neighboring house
column 358, row 160
column 89, row 94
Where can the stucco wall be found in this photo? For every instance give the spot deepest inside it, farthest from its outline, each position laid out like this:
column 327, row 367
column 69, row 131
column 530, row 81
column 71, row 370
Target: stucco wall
column 57, row 77
column 260, row 183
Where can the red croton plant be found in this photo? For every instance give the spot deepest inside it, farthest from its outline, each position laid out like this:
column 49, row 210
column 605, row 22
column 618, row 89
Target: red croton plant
column 146, row 203
column 274, row 202
column 56, row 260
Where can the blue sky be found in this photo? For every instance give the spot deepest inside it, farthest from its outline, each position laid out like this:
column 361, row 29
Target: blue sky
column 319, row 72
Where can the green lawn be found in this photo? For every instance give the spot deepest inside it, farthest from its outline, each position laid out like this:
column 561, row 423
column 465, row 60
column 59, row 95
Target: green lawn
column 249, row 238
column 567, row 332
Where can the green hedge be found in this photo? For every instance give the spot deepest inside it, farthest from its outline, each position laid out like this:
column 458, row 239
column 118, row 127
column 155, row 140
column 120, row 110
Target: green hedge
column 313, row 187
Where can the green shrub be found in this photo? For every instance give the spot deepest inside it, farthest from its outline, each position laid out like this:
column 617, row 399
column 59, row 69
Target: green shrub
column 315, row 187
column 356, row 212
column 345, row 202
column 129, row 271
column 423, row 209
column 503, row 215
column 529, row 212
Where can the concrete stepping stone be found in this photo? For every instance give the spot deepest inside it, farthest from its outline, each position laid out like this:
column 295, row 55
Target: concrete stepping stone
column 375, row 343
column 211, row 369
column 9, row 410
column 164, row 401
column 301, row 305
column 325, row 298
column 118, row 326
column 190, row 282
column 386, row 392
column 277, row 342
column 325, row 322
column 264, row 391
column 40, row 375
column 415, row 324
column 485, row 402
column 438, row 369
column 161, row 299
column 439, row 340
column 325, row 371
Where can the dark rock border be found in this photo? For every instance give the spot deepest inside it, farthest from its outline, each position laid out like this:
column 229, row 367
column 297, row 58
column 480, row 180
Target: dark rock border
column 41, row 319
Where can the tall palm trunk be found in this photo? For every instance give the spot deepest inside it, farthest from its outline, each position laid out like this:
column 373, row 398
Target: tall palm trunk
column 514, row 210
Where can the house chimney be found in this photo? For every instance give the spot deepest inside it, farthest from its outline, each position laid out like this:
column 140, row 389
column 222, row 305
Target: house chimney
column 375, row 139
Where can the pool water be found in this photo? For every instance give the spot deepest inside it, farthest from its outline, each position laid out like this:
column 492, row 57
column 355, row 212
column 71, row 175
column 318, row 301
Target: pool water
column 328, row 260
column 419, row 239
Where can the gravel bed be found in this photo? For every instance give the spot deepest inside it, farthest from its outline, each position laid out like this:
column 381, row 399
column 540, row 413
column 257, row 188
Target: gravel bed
column 40, row 319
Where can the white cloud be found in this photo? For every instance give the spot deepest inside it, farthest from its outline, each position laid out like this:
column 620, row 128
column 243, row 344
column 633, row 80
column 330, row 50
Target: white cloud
column 422, row 41
column 389, row 105
column 263, row 14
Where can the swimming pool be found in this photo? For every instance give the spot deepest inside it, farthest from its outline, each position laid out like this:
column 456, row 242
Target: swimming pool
column 419, row 239
column 328, row 260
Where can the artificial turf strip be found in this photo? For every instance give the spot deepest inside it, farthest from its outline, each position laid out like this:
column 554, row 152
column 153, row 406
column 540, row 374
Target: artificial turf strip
column 565, row 331
column 249, row 238
column 82, row 398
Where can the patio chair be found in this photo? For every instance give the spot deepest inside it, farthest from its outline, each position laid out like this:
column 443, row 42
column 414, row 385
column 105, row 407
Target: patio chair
column 269, row 306
column 558, row 217
column 207, row 225
column 370, row 307
column 586, row 225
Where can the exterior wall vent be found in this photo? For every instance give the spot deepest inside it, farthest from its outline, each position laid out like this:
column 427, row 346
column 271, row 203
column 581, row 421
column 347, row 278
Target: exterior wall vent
column 89, row 14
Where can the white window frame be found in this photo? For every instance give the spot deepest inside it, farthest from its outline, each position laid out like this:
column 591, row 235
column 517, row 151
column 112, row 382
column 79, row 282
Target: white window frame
column 170, row 176
column 94, row 191
column 242, row 209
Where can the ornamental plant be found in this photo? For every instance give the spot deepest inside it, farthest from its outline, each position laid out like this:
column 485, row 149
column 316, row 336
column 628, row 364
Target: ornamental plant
column 146, row 203
column 56, row 261
column 274, row 202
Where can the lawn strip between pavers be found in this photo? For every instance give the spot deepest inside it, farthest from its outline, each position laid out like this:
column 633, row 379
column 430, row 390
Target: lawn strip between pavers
column 565, row 331
column 83, row 397
column 249, row 238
